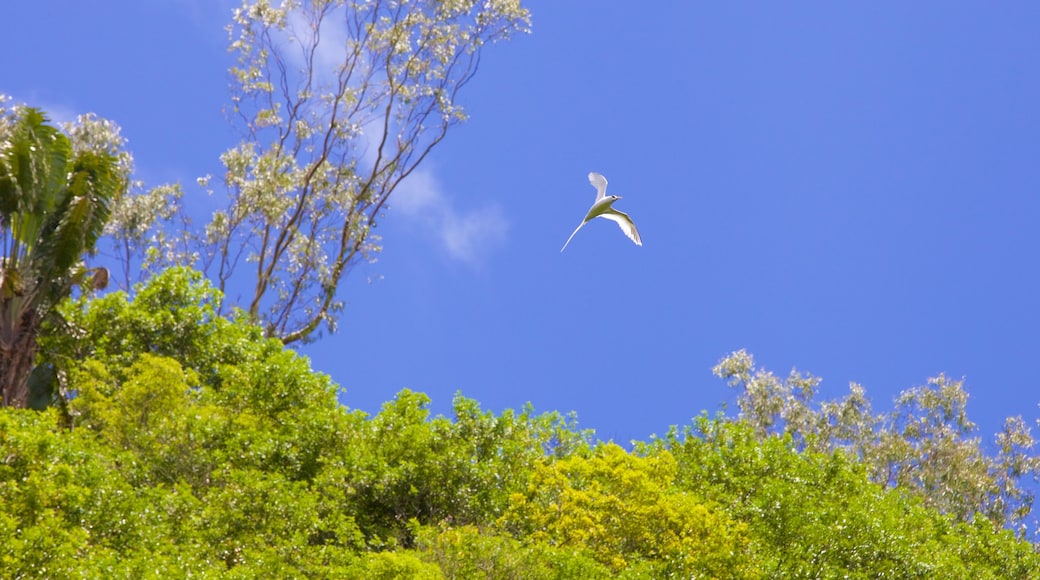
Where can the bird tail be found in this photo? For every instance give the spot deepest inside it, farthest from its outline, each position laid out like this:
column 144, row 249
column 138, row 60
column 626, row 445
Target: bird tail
column 572, row 237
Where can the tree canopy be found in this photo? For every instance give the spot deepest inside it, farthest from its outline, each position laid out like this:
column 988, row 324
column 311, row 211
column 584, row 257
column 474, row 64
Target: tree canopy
column 200, row 446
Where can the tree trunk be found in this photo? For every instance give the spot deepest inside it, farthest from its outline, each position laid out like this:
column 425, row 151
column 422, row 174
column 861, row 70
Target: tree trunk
column 16, row 360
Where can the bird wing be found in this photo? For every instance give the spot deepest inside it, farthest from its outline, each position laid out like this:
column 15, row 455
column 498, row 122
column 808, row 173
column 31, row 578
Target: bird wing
column 624, row 222
column 600, row 183
column 572, row 235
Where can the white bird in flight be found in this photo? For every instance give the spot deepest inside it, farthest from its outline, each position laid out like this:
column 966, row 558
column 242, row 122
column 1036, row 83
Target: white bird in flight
column 602, row 208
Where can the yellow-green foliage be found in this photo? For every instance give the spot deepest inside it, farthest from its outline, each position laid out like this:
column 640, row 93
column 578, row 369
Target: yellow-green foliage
column 472, row 552
column 624, row 510
column 391, row 566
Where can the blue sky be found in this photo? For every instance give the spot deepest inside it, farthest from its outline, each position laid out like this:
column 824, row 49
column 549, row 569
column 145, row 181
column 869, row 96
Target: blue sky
column 852, row 189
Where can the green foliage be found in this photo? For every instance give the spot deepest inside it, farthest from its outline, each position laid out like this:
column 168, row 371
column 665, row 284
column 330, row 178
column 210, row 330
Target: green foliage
column 391, row 566
column 183, row 401
column 460, row 470
column 147, row 415
column 198, row 447
column 472, row 552
column 174, row 315
column 813, row 514
column 237, row 437
column 67, row 507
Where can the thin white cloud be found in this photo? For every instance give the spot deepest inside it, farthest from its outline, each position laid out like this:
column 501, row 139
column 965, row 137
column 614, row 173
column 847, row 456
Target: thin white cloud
column 209, row 16
column 417, row 194
column 466, row 235
column 331, row 49
column 58, row 113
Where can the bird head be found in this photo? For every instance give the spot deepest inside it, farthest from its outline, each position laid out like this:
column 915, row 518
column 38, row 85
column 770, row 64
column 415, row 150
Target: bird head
column 614, row 197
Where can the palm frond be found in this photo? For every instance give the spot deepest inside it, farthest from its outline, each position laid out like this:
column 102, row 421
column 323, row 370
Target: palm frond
column 74, row 227
column 33, row 170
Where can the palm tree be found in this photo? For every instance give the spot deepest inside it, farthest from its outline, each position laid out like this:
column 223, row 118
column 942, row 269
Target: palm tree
column 54, row 203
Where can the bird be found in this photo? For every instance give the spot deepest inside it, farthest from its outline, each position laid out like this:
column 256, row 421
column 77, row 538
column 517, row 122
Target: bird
column 602, row 208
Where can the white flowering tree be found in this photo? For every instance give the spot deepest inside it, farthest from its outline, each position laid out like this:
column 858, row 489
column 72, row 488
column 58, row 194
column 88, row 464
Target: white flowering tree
column 926, row 445
column 337, row 102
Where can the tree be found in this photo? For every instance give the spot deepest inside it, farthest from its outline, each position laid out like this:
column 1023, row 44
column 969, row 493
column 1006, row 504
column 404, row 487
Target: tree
column 55, row 195
column 430, row 470
column 623, row 510
column 337, row 101
column 926, row 445
column 817, row 514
